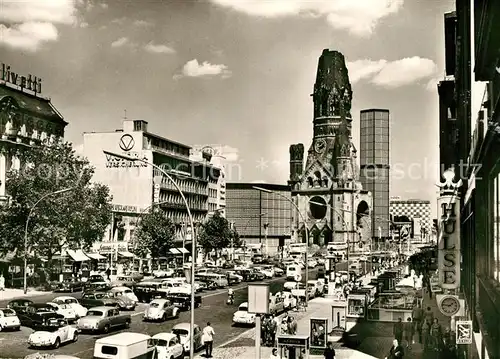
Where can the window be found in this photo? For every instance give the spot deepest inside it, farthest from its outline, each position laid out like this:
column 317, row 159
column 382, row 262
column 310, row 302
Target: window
column 495, row 265
column 106, row 349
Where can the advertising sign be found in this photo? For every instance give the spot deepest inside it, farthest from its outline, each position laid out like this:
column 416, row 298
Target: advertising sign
column 318, row 332
column 449, row 242
column 258, row 298
column 463, row 330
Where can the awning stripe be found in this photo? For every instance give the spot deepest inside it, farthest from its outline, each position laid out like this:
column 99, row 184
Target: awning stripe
column 95, row 256
column 174, row 251
column 78, row 255
column 182, row 250
column 126, row 254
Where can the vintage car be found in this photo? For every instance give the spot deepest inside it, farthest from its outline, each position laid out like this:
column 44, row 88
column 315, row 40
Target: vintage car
column 9, row 319
column 37, row 316
column 95, row 286
column 290, row 286
column 79, row 309
column 123, row 281
column 65, row 310
column 236, row 275
column 160, row 309
column 242, row 316
column 168, row 346
column 268, row 271
column 19, row 305
column 103, row 319
column 124, row 292
column 96, row 278
column 276, row 304
column 69, row 286
column 163, row 273
column 183, row 330
column 289, row 301
column 318, row 287
column 278, row 272
column 96, row 299
column 183, row 300
column 245, row 273
column 257, row 275
column 59, row 332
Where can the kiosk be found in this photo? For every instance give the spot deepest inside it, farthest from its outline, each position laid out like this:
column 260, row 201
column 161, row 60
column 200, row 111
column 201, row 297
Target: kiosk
column 339, row 323
column 293, row 346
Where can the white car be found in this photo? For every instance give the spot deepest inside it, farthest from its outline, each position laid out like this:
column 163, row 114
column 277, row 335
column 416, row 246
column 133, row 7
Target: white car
column 163, row 273
column 290, row 285
column 236, row 275
column 160, row 309
column 242, row 316
column 65, row 310
column 312, row 263
column 278, row 272
column 54, row 336
column 168, row 346
column 289, row 301
column 268, row 271
column 9, row 319
column 126, row 292
column 79, row 309
column 183, row 330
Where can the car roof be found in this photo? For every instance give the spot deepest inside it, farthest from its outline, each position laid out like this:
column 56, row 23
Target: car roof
column 122, row 287
column 64, row 297
column 102, row 308
column 159, row 300
column 122, row 339
column 164, row 336
column 244, row 304
column 21, row 301
column 185, row 326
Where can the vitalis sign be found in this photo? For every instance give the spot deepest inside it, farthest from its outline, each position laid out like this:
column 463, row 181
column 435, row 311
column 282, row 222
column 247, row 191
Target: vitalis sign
column 449, row 242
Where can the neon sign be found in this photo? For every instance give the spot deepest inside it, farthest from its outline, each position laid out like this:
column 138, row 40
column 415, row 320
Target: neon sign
column 31, row 82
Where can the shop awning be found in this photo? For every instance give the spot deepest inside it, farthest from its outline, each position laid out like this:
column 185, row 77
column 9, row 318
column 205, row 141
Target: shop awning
column 182, row 250
column 126, row 254
column 78, row 255
column 174, row 251
column 95, row 256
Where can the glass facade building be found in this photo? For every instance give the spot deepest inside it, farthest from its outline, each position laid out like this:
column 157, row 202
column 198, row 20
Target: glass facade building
column 374, row 166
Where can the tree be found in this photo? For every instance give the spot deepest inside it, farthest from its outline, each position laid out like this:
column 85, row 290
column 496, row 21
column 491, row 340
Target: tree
column 74, row 219
column 215, row 234
column 235, row 238
column 155, row 235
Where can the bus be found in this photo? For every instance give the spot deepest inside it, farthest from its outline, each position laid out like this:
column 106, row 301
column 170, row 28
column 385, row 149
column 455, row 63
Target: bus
column 297, row 251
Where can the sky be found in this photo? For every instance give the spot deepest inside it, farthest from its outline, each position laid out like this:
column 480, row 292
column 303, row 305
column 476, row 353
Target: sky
column 237, row 73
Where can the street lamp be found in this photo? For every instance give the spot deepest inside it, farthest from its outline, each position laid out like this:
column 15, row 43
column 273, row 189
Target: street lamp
column 305, row 225
column 193, row 249
column 26, row 231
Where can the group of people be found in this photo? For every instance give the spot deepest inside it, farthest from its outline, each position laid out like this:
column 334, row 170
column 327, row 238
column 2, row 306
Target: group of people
column 272, row 326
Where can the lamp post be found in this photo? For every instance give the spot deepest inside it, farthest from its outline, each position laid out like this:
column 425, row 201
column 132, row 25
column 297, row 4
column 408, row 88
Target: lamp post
column 305, row 225
column 193, row 249
column 26, row 231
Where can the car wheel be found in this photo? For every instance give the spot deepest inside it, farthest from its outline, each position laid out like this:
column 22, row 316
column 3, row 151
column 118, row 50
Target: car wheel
column 57, row 343
column 106, row 328
column 198, row 305
column 127, row 323
column 188, row 307
column 164, row 317
column 75, row 337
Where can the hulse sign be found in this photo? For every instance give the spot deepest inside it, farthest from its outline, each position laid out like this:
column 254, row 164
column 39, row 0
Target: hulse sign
column 449, row 242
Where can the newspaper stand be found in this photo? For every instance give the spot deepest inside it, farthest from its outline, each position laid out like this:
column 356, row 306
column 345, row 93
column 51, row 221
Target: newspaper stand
column 293, row 346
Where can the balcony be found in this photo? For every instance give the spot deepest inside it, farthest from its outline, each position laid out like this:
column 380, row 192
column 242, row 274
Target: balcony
column 185, row 188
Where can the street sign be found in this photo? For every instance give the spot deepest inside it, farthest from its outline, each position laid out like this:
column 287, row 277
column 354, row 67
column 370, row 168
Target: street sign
column 463, row 330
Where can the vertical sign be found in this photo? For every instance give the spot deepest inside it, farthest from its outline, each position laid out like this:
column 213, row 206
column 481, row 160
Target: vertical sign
column 156, row 189
column 449, row 241
column 463, row 330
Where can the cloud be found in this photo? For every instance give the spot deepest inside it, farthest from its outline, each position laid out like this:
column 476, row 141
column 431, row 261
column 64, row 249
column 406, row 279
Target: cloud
column 84, row 24
column 26, row 25
column 392, row 74
column 119, row 21
column 194, row 69
column 359, row 17
column 231, row 154
column 159, row 49
column 104, row 5
column 120, row 42
column 143, row 23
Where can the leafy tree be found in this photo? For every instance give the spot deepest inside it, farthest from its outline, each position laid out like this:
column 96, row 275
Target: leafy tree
column 215, row 234
column 74, row 219
column 155, row 235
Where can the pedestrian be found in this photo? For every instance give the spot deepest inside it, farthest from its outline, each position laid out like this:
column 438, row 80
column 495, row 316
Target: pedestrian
column 274, row 354
column 329, row 352
column 292, row 326
column 408, row 333
column 273, row 327
column 398, row 330
column 436, row 334
column 429, row 316
column 284, row 327
column 425, row 329
column 417, row 315
column 208, row 339
column 396, row 351
column 2, row 282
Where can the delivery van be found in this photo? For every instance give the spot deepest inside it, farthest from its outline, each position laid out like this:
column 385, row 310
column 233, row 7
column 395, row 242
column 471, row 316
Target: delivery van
column 125, row 345
column 293, row 271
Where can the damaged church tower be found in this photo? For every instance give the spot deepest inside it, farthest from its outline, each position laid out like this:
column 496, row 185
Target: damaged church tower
column 327, row 189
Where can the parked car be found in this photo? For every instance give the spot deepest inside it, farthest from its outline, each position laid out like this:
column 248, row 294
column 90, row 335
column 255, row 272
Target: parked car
column 65, row 310
column 183, row 330
column 54, row 335
column 69, row 286
column 79, row 309
column 233, row 278
column 238, row 276
column 95, row 286
column 163, row 273
column 268, row 271
column 123, row 281
column 97, row 299
column 242, row 316
column 124, row 292
column 19, row 305
column 276, row 305
column 228, row 265
column 290, row 286
column 257, row 275
column 103, row 319
column 37, row 316
column 183, row 300
column 168, row 346
column 148, row 290
column 9, row 319
column 245, row 273
column 279, row 272
column 160, row 309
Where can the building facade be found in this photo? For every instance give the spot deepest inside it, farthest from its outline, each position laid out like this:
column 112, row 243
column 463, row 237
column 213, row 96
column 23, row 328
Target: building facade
column 137, row 187
column 333, row 206
column 26, row 119
column 418, row 212
column 375, row 166
column 217, row 188
column 260, row 218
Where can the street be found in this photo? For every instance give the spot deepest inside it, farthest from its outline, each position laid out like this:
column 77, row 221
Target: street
column 213, row 309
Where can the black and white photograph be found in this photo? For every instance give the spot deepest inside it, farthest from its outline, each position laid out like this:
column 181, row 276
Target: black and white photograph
column 318, row 333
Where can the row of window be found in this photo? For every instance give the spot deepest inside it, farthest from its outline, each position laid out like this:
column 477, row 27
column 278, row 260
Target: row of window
column 495, row 266
column 185, row 185
column 168, row 198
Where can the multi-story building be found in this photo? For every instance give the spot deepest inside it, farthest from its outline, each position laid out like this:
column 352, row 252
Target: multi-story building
column 418, row 212
column 260, row 218
column 136, row 187
column 374, row 166
column 26, row 119
column 216, row 186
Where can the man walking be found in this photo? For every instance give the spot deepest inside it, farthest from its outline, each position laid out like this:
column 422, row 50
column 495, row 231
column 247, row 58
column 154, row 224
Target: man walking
column 418, row 316
column 398, row 330
column 329, row 352
column 408, row 333
column 208, row 339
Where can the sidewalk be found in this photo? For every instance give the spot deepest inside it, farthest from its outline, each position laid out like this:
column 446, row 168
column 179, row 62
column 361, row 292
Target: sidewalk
column 11, row 293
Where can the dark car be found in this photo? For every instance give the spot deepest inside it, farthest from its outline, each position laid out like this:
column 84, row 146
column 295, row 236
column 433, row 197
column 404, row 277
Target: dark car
column 245, row 273
column 210, row 284
column 256, row 275
column 37, row 316
column 228, row 265
column 183, row 300
column 69, row 286
column 232, row 279
column 98, row 299
column 19, row 305
column 94, row 286
column 147, row 291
